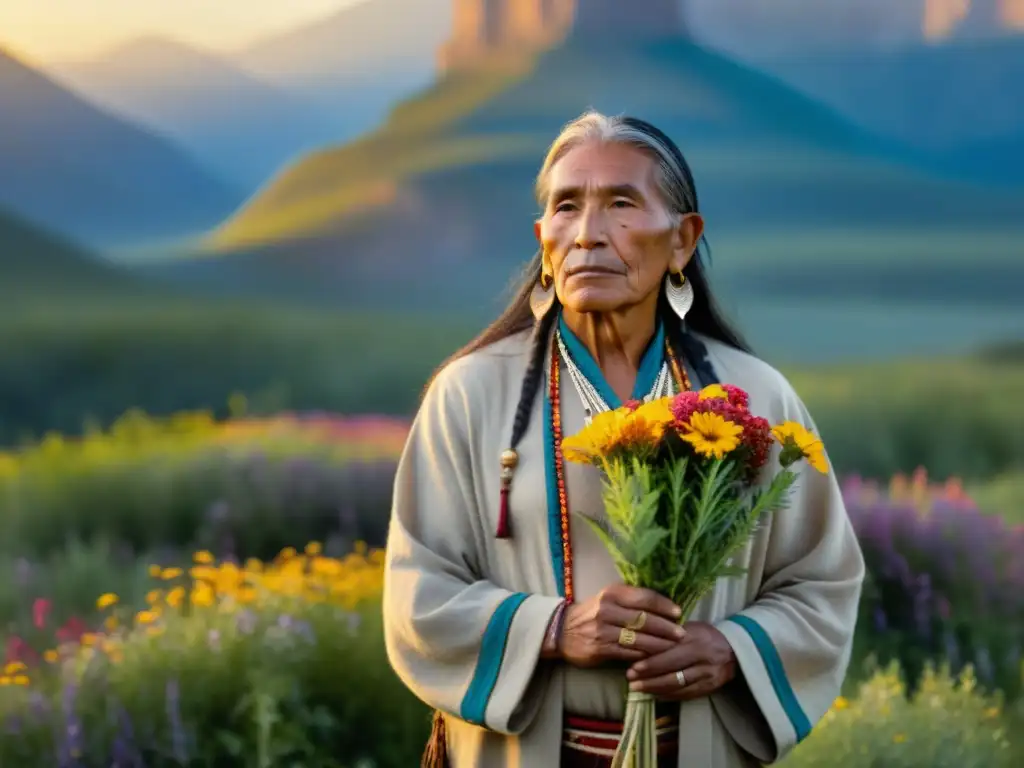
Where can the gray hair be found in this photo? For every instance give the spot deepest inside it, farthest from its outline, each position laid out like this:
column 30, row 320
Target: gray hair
column 674, row 179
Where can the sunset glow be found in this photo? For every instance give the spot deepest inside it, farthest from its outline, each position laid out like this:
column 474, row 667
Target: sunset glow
column 59, row 30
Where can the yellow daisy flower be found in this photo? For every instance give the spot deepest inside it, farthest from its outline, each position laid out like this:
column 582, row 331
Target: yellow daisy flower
column 799, row 442
column 620, row 430
column 202, row 557
column 595, row 440
column 712, row 435
column 713, row 392
column 105, row 601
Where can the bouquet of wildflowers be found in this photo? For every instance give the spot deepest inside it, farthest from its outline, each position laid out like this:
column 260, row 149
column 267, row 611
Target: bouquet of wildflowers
column 682, row 496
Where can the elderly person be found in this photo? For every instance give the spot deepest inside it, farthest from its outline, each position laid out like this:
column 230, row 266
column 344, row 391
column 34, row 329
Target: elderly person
column 504, row 616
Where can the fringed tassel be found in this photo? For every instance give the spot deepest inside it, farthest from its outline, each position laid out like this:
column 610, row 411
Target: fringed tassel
column 436, row 753
column 509, row 461
column 504, row 532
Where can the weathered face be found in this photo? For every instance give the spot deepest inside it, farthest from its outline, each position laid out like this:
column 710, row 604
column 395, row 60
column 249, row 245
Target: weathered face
column 607, row 237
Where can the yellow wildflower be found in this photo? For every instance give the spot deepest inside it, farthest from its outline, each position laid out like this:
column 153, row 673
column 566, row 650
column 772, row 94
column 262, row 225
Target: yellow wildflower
column 202, row 595
column 154, row 596
column 840, row 703
column 314, row 548
column 595, row 440
column 712, row 435
column 203, row 557
column 169, row 574
column 155, row 571
column 19, row 680
column 88, row 639
column 105, row 601
column 110, row 623
column 657, row 413
column 175, row 597
column 5, row 680
column 623, row 429
column 798, row 442
column 14, row 667
column 51, row 657
column 203, row 572
column 713, row 392
column 146, row 617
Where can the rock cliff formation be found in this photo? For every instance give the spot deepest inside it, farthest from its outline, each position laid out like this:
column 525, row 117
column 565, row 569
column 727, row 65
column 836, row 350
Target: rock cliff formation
column 971, row 18
column 489, row 30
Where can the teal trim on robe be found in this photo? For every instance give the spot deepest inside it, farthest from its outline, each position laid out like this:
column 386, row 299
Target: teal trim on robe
column 488, row 665
column 780, row 683
column 646, row 375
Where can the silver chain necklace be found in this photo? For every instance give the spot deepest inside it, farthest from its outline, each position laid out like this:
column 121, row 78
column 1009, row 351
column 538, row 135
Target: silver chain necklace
column 593, row 403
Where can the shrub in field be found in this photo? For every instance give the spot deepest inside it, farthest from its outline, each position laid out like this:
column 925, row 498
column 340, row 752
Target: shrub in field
column 944, row 580
column 961, row 417
column 946, row 723
column 282, row 664
column 246, row 486
column 257, row 664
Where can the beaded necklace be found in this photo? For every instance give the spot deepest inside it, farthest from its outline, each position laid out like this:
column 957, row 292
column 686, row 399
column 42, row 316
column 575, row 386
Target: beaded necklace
column 555, row 450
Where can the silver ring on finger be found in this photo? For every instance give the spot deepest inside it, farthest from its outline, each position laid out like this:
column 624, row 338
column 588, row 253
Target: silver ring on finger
column 681, row 678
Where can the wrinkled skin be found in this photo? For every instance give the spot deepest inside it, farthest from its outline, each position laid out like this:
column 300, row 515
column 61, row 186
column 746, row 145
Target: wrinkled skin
column 608, row 239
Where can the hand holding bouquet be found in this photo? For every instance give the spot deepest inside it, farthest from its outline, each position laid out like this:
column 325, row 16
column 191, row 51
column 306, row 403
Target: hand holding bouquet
column 681, row 497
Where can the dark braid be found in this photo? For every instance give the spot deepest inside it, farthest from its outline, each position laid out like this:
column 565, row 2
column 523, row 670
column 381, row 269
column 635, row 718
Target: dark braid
column 534, row 374
column 527, row 396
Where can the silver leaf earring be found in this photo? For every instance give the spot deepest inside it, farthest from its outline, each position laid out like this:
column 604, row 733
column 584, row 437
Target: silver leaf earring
column 543, row 296
column 679, row 293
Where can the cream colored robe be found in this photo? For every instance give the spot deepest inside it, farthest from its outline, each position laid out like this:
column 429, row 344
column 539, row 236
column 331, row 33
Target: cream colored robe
column 465, row 613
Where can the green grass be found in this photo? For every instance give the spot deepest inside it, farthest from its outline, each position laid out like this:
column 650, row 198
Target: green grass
column 89, row 362
column 956, row 417
column 1001, row 495
column 33, row 260
column 92, row 361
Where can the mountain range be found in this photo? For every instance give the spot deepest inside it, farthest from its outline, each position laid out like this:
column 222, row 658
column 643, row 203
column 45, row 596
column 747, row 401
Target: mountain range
column 233, row 122
column 958, row 101
column 438, row 199
column 98, row 178
column 247, row 113
column 340, row 186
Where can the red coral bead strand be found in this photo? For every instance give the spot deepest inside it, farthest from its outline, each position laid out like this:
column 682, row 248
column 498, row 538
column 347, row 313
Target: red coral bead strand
column 563, row 496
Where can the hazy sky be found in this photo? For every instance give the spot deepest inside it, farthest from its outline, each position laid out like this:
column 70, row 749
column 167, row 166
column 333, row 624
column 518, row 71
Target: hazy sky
column 54, row 30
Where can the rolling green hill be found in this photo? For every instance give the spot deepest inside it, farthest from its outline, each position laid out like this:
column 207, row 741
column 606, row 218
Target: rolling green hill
column 36, row 265
column 439, row 199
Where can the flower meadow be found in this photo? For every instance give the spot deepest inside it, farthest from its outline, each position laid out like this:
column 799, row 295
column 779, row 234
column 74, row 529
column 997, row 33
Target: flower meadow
column 262, row 664
column 161, row 605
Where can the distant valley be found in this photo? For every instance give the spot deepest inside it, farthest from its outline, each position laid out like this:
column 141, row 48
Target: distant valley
column 95, row 177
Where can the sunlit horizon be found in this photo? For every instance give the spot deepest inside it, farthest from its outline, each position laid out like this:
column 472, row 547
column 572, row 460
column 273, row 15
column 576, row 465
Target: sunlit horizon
column 52, row 31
